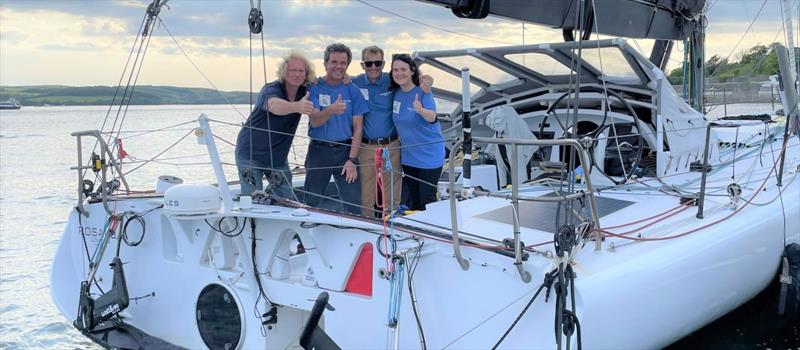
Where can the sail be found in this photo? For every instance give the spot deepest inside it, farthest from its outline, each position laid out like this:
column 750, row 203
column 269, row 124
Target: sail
column 650, row 19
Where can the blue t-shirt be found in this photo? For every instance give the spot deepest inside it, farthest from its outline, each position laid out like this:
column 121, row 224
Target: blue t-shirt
column 338, row 127
column 255, row 142
column 378, row 121
column 422, row 142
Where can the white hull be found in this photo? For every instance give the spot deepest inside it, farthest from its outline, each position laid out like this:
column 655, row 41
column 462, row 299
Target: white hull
column 629, row 294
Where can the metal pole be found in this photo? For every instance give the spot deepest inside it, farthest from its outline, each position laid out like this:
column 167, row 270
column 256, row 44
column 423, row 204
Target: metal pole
column 225, row 192
column 525, row 275
column 772, row 96
column 697, row 75
column 466, row 127
column 81, row 210
column 791, row 103
column 103, row 151
column 661, row 166
column 724, row 101
column 702, row 198
column 584, row 159
column 451, row 183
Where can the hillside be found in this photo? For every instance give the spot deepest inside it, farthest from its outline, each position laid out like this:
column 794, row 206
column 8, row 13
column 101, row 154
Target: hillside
column 58, row 95
column 757, row 63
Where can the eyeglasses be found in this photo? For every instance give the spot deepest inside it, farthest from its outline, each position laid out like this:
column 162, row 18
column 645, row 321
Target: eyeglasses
column 373, row 64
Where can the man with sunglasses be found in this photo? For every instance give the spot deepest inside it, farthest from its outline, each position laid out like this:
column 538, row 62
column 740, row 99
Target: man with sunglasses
column 379, row 132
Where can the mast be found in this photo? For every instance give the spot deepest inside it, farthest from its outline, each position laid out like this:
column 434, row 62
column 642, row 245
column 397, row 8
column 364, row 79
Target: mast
column 786, row 6
column 697, row 74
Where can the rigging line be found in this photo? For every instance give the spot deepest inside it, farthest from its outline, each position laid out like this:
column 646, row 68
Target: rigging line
column 662, row 238
column 112, row 147
column 136, row 63
column 780, row 192
column 750, row 26
column 711, row 6
column 119, row 82
column 411, row 230
column 198, row 68
column 116, row 90
column 605, row 92
column 579, row 8
column 137, row 133
column 681, row 209
column 757, row 65
column 326, row 141
column 269, row 126
column 490, row 317
column 197, row 155
column 162, row 152
column 433, row 26
column 223, row 140
column 250, row 72
column 170, row 163
column 133, row 88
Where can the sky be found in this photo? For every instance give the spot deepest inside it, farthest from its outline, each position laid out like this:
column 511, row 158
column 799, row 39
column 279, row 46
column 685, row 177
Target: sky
column 87, row 42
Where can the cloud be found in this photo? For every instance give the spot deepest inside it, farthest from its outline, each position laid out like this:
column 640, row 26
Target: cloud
column 86, row 42
column 379, row 20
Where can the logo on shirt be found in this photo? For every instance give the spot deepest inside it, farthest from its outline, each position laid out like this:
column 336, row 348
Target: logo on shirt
column 365, row 93
column 396, row 107
column 324, row 100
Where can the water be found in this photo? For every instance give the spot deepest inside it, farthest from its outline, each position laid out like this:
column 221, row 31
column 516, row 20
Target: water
column 37, row 190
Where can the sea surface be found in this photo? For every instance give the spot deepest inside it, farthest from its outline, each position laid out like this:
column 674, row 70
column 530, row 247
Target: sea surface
column 38, row 189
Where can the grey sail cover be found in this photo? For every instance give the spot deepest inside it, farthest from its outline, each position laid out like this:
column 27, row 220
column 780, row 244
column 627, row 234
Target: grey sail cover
column 651, row 19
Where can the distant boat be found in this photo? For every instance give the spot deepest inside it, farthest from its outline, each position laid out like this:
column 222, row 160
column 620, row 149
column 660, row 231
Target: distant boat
column 10, row 104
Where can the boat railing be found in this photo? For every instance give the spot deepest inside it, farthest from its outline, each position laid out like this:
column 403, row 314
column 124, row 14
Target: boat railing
column 587, row 193
column 101, row 165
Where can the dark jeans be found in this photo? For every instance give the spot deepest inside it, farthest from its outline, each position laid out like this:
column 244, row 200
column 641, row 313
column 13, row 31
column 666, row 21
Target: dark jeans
column 417, row 194
column 252, row 173
column 323, row 161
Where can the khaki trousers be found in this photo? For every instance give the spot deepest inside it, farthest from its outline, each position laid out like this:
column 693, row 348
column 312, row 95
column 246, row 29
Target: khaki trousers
column 366, row 173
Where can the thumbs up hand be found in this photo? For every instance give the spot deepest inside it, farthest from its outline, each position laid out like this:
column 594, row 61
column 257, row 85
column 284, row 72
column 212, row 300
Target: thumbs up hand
column 339, row 106
column 426, row 83
column 304, row 105
column 417, row 104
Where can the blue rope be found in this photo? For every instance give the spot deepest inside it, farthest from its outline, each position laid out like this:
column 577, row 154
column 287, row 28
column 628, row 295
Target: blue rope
column 396, row 293
column 387, row 166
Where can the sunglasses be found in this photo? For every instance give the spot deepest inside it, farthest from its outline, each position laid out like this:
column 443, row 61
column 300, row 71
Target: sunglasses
column 373, row 64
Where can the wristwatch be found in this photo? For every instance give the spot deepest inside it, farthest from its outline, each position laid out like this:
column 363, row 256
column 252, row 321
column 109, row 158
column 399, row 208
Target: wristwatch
column 354, row 160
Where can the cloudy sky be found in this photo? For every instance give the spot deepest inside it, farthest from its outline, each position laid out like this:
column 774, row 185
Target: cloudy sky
column 79, row 42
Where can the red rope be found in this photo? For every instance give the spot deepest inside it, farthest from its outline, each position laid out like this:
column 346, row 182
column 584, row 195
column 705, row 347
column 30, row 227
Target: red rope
column 755, row 193
column 379, row 178
column 378, row 158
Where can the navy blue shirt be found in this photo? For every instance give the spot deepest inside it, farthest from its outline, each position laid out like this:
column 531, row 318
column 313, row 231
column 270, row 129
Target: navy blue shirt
column 256, row 142
column 378, row 121
column 338, row 127
column 422, row 142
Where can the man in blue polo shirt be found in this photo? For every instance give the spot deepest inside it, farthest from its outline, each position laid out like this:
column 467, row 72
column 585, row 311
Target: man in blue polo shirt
column 263, row 143
column 379, row 132
column 335, row 130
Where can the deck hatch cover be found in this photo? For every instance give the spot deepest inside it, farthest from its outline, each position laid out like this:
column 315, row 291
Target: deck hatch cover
column 542, row 215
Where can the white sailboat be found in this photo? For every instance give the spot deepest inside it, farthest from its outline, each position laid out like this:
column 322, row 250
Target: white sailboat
column 620, row 217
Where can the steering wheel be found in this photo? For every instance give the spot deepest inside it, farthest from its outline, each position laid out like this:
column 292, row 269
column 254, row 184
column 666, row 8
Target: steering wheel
column 632, row 164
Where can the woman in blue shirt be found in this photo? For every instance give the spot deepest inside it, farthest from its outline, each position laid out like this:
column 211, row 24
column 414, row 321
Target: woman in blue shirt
column 422, row 152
